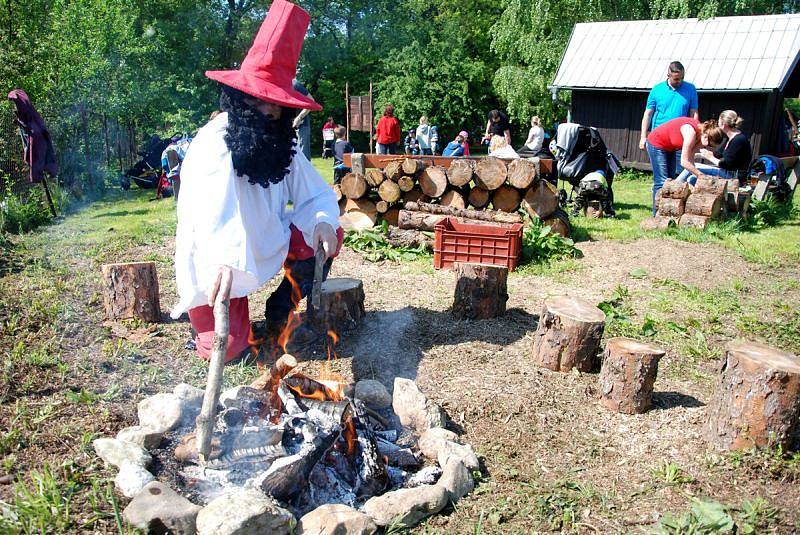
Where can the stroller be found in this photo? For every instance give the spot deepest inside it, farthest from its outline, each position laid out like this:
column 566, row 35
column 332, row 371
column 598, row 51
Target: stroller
column 146, row 173
column 587, row 165
column 768, row 176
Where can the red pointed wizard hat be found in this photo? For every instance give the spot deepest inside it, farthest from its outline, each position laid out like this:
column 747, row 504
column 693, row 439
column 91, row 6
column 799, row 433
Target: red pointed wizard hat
column 271, row 64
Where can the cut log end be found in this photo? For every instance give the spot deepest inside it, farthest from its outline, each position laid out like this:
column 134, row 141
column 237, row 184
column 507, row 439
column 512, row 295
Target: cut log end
column 490, row 173
column 506, row 199
column 353, row 186
column 433, row 181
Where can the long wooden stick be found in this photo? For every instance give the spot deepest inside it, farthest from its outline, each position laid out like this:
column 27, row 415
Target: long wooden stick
column 205, row 420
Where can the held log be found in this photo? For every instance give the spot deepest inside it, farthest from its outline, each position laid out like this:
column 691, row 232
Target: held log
column 568, row 335
column 627, row 376
column 712, row 185
column 757, row 399
column 341, row 305
column 481, row 291
column 131, row 291
column 674, row 189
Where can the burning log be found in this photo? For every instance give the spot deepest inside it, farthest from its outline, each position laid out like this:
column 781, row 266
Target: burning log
column 481, row 291
column 568, row 335
column 372, row 476
column 521, row 173
column 460, row 172
column 490, row 173
column 433, row 181
column 341, row 305
column 336, row 410
column 627, row 376
column 541, row 200
column 131, row 291
column 757, row 399
column 308, row 388
column 270, row 379
column 354, row 186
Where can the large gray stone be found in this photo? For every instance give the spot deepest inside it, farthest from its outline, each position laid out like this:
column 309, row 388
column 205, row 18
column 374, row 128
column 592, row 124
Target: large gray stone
column 413, row 408
column 406, row 506
column 335, row 519
column 141, row 436
column 462, row 452
column 159, row 509
column 189, row 395
column 433, row 440
column 244, row 512
column 116, row 452
column 456, row 479
column 373, row 394
column 131, row 479
column 161, row 413
column 426, row 476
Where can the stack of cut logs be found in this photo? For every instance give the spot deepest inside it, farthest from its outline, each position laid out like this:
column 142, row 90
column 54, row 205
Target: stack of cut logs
column 383, row 193
column 687, row 206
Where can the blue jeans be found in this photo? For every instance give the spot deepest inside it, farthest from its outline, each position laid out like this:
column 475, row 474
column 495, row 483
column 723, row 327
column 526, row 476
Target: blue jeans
column 666, row 165
column 390, row 148
column 710, row 170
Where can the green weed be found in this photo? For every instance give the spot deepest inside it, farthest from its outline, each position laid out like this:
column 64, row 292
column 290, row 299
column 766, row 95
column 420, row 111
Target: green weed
column 560, row 505
column 372, row 244
column 707, row 517
column 775, row 462
column 540, row 244
column 671, row 475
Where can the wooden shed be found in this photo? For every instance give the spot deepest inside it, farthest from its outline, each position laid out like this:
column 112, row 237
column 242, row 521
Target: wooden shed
column 747, row 64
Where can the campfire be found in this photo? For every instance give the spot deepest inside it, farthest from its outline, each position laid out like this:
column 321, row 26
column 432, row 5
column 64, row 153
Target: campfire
column 298, row 439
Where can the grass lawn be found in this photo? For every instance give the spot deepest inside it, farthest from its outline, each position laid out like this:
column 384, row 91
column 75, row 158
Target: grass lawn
column 552, row 460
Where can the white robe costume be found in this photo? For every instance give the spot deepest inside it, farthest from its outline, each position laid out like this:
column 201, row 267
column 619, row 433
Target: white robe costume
column 225, row 220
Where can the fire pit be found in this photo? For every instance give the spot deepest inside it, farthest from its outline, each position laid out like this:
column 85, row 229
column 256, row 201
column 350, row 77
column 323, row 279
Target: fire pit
column 287, row 447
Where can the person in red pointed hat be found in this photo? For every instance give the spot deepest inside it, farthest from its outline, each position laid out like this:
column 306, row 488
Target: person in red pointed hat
column 239, row 176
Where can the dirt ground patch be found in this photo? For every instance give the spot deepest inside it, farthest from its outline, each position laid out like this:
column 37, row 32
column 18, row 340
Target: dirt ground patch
column 549, row 451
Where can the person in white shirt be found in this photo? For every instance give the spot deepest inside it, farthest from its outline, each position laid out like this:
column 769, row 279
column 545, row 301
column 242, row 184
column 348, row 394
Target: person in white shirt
column 239, row 176
column 535, row 138
column 424, row 136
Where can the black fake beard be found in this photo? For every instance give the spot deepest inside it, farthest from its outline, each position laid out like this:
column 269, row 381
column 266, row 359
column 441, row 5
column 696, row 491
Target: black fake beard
column 261, row 148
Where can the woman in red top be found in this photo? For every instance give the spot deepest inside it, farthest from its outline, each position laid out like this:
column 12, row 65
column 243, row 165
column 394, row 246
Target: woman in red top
column 672, row 145
column 388, row 132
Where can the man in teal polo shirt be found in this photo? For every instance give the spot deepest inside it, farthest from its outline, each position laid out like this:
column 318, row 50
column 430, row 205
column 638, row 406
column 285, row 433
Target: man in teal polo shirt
column 668, row 100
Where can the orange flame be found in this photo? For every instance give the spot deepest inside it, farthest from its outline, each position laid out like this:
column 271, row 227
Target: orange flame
column 292, row 320
column 350, row 435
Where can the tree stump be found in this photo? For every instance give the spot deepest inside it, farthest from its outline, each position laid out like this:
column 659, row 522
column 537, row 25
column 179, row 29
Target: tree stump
column 341, row 305
column 568, row 336
column 131, row 291
column 481, row 291
column 521, row 173
column 478, row 197
column 490, row 173
column 757, row 399
column 541, row 200
column 354, row 186
column 433, row 181
column 506, row 199
column 460, row 172
column 627, row 376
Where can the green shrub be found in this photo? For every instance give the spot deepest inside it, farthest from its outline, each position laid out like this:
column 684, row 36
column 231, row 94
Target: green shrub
column 23, row 212
column 540, row 244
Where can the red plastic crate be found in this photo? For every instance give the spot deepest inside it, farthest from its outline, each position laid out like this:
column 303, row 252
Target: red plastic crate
column 498, row 244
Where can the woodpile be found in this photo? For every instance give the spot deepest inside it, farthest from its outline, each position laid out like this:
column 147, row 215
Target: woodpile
column 423, row 216
column 689, row 206
column 486, row 184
